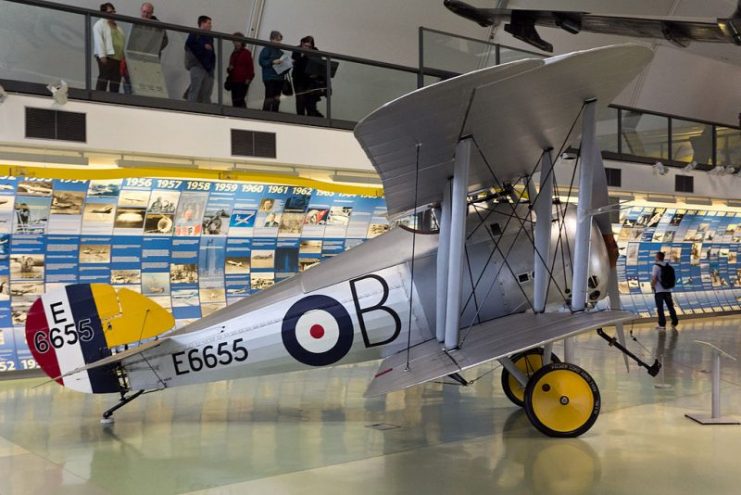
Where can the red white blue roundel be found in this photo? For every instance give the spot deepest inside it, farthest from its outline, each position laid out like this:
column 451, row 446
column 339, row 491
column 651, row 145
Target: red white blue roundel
column 317, row 330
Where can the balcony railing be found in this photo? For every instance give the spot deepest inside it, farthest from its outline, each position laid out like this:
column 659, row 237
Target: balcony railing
column 43, row 42
column 624, row 133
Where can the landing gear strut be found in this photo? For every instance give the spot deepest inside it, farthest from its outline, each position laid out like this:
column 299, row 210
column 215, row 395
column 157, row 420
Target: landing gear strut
column 108, row 415
column 653, row 369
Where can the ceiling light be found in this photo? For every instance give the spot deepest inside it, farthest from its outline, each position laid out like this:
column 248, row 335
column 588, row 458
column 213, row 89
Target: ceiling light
column 256, row 169
column 698, row 201
column 149, row 164
column 43, row 158
column 661, row 199
column 358, row 179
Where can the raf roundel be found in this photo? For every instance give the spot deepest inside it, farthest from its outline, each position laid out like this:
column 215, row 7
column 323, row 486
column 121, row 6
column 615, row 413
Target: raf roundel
column 317, row 330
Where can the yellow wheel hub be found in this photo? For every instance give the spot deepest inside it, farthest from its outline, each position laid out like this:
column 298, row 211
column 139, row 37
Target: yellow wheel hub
column 561, row 399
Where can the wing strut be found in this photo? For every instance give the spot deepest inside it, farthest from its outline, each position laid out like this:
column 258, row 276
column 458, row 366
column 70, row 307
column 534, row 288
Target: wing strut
column 458, row 211
column 543, row 218
column 443, row 250
column 590, row 153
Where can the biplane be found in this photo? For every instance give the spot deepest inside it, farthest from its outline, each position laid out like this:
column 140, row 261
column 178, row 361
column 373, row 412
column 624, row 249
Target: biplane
column 492, row 266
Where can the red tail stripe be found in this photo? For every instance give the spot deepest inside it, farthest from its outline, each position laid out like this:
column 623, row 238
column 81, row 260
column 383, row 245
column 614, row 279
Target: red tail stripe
column 35, row 323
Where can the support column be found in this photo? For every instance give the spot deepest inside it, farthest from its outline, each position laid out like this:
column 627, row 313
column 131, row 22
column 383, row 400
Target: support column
column 443, row 251
column 458, row 214
column 543, row 217
column 583, row 215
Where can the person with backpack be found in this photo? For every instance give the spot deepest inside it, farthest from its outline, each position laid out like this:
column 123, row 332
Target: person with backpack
column 663, row 280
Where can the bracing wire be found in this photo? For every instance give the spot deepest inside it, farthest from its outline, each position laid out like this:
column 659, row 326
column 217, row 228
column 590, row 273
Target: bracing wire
column 414, row 245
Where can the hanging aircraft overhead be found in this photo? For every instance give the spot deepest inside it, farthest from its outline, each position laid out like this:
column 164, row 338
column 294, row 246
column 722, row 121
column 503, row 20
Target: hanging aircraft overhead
column 521, row 24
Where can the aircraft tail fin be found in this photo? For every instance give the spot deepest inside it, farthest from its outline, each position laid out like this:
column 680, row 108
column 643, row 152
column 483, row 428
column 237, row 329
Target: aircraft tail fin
column 73, row 331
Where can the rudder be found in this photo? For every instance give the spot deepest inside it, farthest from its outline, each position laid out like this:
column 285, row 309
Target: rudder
column 70, row 328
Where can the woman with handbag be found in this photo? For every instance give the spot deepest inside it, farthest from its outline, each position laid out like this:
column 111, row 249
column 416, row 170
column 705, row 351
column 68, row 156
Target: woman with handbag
column 270, row 56
column 241, row 71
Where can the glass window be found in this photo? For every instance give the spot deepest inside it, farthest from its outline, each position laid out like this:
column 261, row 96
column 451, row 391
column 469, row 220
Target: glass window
column 507, row 54
column 644, row 134
column 692, row 141
column 358, row 89
column 728, row 144
column 607, row 129
column 443, row 52
column 40, row 45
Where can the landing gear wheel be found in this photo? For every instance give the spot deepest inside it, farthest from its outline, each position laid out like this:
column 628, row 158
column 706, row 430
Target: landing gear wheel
column 528, row 362
column 562, row 400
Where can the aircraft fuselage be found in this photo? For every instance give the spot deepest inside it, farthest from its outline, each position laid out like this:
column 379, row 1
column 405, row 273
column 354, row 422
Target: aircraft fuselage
column 360, row 305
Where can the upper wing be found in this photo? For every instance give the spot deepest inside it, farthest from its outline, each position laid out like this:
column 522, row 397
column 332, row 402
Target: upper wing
column 493, row 339
column 514, row 112
column 522, row 24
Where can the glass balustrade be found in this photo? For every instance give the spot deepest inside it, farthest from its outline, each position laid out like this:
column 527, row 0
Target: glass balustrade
column 728, row 146
column 359, row 88
column 692, row 141
column 621, row 131
column 42, row 43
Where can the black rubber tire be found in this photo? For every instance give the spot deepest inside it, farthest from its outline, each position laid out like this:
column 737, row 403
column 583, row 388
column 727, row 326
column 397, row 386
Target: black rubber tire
column 541, row 383
column 517, row 395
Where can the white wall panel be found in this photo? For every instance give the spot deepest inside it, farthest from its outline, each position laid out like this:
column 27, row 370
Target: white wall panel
column 139, row 130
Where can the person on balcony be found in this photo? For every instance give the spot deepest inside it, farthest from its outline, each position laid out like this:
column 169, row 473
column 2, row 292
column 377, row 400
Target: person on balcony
column 270, row 56
column 309, row 79
column 200, row 60
column 109, row 41
column 241, row 72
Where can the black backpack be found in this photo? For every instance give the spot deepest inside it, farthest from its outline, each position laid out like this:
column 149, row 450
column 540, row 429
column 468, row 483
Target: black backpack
column 667, row 277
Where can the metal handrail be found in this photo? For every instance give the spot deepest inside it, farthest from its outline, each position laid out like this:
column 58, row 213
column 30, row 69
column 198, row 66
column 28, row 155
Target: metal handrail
column 216, row 34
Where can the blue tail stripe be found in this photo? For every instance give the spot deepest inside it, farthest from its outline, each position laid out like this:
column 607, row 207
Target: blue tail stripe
column 103, row 380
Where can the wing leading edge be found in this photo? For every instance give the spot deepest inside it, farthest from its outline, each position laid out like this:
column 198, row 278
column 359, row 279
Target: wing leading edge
column 513, row 111
column 485, row 342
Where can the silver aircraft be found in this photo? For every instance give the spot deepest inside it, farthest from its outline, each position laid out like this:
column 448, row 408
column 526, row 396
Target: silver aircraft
column 493, row 267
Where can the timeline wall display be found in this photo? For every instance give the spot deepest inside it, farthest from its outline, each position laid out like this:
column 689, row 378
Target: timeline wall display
column 192, row 246
column 197, row 246
column 703, row 247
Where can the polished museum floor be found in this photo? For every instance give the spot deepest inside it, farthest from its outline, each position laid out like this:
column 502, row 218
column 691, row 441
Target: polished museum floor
column 312, row 432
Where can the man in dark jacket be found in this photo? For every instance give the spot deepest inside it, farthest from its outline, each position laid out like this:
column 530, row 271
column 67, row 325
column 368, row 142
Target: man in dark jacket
column 200, row 60
column 269, row 57
column 662, row 294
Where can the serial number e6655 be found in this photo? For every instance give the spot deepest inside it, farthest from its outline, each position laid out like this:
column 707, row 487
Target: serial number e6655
column 209, row 357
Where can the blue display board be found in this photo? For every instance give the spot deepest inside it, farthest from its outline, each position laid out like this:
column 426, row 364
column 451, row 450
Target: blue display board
column 193, row 246
column 702, row 245
column 196, row 246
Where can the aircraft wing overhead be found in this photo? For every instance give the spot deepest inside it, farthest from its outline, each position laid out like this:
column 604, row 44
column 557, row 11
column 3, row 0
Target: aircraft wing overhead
column 514, row 111
column 522, row 23
column 490, row 340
